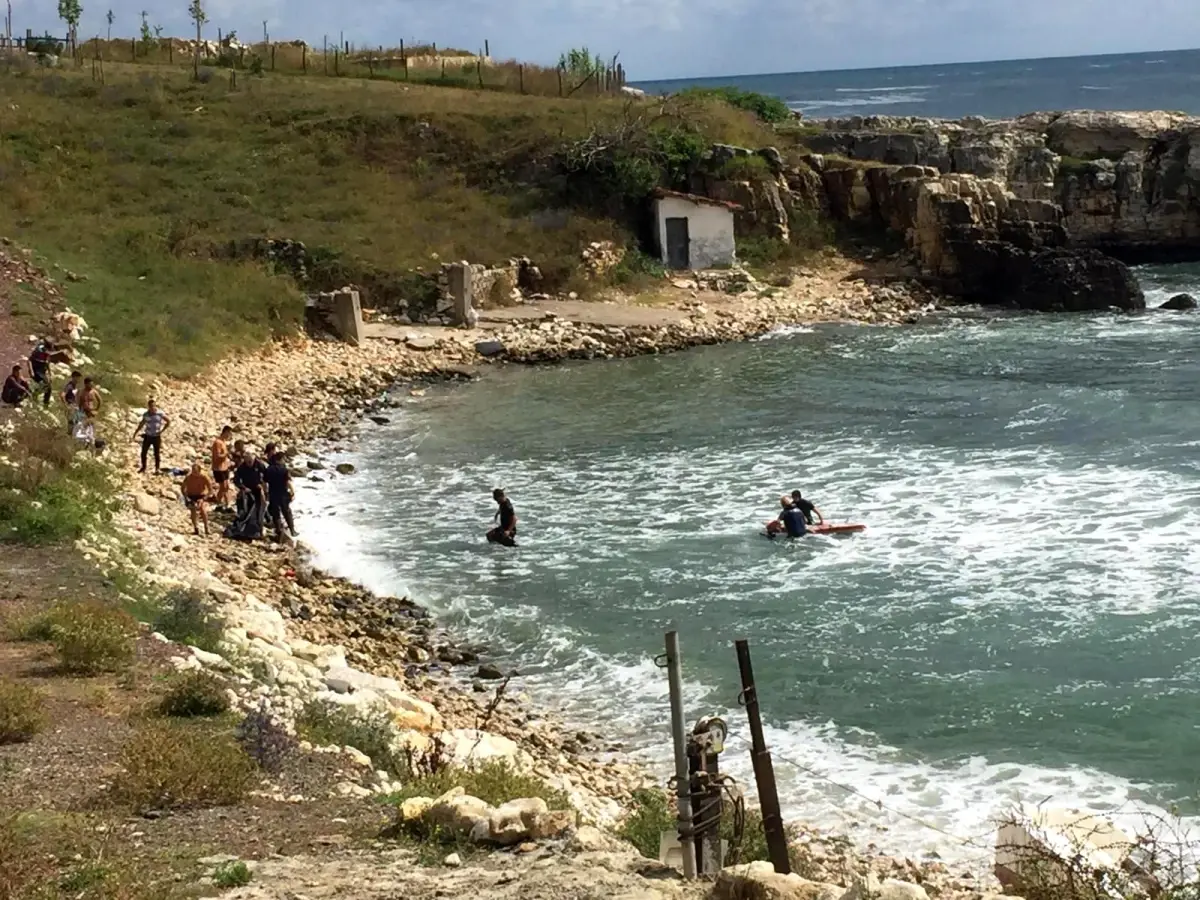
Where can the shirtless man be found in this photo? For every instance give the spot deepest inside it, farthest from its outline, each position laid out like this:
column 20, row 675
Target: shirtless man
column 222, row 464
column 89, row 399
column 196, row 488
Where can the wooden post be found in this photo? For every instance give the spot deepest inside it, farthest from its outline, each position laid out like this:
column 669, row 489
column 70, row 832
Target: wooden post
column 266, row 35
column 521, row 76
column 132, row 49
column 404, row 62
column 764, row 772
column 337, row 69
column 233, row 79
column 487, row 50
column 304, row 59
column 325, row 53
column 370, row 64
column 560, row 81
column 220, row 39
column 479, row 72
column 443, row 70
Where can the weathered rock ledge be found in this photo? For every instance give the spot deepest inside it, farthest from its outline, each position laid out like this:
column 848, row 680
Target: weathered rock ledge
column 1127, row 183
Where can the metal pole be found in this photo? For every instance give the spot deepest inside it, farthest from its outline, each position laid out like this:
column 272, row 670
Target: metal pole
column 683, row 788
column 764, row 772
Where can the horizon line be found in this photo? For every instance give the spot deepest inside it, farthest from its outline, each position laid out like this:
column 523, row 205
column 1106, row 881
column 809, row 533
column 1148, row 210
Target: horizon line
column 972, row 62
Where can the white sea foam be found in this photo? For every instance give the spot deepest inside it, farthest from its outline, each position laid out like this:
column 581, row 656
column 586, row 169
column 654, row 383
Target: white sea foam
column 882, row 90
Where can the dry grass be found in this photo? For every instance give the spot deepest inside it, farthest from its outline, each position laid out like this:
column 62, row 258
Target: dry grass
column 93, row 637
column 168, row 765
column 21, row 712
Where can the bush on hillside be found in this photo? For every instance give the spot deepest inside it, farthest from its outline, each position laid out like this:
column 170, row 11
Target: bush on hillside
column 91, row 637
column 176, row 765
column 331, row 724
column 231, row 875
column 766, row 107
column 21, row 712
column 195, row 694
column 494, row 781
column 23, row 870
column 187, row 618
column 265, row 741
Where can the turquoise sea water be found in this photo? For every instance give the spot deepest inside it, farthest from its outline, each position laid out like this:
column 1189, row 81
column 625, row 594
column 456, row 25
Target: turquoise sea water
column 992, row 89
column 1018, row 622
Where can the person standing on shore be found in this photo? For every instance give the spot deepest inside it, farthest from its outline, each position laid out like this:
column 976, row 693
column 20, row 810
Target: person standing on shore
column 505, row 532
column 279, row 496
column 153, row 426
column 221, row 465
column 89, row 399
column 196, row 488
column 39, row 368
column 249, row 478
column 70, row 397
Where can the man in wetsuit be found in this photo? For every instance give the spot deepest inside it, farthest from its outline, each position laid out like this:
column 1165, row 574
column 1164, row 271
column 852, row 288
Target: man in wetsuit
column 795, row 523
column 807, row 509
column 279, row 496
column 506, row 532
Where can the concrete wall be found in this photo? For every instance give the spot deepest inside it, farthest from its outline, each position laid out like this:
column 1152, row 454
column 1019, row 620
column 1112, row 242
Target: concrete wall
column 710, row 231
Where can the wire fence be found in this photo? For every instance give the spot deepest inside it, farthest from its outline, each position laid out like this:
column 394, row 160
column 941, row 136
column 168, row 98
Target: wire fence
column 420, row 63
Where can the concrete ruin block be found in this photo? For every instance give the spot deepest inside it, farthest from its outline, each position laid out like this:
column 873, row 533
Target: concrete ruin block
column 461, row 284
column 347, row 316
column 1051, row 848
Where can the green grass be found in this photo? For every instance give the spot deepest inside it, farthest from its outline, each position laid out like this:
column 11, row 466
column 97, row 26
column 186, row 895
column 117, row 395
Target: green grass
column 50, row 490
column 766, row 107
column 231, row 875
column 186, row 617
column 92, row 637
column 141, row 183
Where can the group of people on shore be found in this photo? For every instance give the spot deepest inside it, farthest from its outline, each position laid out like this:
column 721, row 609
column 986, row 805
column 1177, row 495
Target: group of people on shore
column 264, row 491
column 79, row 395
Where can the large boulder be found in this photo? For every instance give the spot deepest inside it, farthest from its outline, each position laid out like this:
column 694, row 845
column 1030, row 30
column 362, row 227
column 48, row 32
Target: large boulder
column 1054, row 280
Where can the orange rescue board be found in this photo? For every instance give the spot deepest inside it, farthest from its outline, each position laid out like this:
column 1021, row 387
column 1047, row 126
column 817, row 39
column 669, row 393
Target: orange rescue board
column 836, row 529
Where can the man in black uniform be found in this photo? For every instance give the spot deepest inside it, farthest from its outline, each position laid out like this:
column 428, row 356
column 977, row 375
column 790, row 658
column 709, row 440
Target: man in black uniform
column 506, row 532
column 806, row 507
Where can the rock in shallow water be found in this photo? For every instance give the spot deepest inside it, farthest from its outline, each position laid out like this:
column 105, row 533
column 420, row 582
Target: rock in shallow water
column 1180, row 302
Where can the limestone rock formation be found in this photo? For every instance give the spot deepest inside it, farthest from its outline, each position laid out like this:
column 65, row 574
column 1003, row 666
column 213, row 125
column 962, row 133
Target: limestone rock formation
column 1128, row 182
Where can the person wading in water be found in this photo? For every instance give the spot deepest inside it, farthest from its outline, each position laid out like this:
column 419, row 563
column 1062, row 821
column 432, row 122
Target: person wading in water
column 506, row 532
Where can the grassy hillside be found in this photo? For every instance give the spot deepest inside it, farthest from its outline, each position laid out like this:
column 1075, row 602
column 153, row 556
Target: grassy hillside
column 137, row 183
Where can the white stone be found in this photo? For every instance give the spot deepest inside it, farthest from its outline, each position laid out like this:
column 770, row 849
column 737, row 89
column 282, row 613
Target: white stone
column 211, row 660
column 1033, row 840
column 459, row 813
column 467, row 747
column 350, row 789
column 357, row 757
column 146, row 504
column 453, row 861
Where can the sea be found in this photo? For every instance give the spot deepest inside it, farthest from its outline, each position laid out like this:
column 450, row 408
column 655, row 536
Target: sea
column 1167, row 80
column 1016, row 627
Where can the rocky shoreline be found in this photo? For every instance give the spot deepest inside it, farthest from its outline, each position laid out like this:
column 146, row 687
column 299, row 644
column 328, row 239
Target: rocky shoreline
column 298, row 633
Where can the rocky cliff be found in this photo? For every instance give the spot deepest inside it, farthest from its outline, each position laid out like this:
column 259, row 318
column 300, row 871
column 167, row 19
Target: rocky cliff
column 1128, row 183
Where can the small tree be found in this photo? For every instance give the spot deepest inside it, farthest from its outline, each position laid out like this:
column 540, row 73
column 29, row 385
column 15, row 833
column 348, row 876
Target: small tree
column 147, row 34
column 109, row 18
column 197, row 15
column 70, row 11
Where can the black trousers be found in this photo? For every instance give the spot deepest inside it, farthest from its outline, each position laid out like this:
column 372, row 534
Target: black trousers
column 43, row 379
column 281, row 511
column 151, row 442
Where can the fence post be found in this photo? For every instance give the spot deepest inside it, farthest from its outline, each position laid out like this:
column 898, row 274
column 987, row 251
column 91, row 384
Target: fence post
column 304, row 59
column 521, row 76
column 443, row 70
column 325, row 53
column 487, row 50
column 272, row 57
column 370, row 64
column 560, row 81
column 404, row 62
column 764, row 772
column 133, row 49
column 479, row 72
column 171, row 50
column 683, row 787
column 337, row 69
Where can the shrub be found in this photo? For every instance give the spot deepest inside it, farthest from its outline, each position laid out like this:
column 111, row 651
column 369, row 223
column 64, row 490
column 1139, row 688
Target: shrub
column 21, row 712
column 92, row 637
column 636, row 268
column 181, row 765
column 651, row 816
column 23, row 872
column 330, row 724
column 36, row 627
column 195, row 694
column 765, row 106
column 265, row 741
column 495, row 782
column 231, row 875
column 188, row 619
column 746, row 168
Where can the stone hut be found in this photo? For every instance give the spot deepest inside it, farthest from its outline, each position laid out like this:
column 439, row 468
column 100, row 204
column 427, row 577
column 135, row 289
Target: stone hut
column 694, row 232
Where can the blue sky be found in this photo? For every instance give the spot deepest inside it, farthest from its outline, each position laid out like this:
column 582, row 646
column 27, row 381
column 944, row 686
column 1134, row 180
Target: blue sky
column 690, row 38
